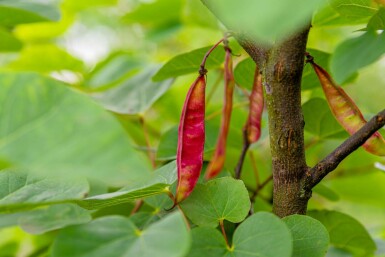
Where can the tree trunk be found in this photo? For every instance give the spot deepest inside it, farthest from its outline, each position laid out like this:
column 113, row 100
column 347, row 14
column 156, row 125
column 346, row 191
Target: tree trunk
column 282, row 66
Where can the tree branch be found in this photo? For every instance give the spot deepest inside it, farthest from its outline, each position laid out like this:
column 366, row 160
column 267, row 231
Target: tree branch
column 330, row 162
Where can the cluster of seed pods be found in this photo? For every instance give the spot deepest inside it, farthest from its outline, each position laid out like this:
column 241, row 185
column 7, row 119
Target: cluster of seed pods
column 191, row 132
column 345, row 110
column 191, row 135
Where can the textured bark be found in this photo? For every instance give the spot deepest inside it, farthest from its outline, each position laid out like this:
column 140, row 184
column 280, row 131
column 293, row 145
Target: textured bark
column 282, row 66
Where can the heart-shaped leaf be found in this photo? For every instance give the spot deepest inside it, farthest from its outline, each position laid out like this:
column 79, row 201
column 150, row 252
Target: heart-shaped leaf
column 217, row 200
column 310, row 237
column 262, row 234
column 116, row 236
column 346, row 232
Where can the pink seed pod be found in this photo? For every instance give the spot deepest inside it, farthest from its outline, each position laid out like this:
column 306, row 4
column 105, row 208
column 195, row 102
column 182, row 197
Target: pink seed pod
column 346, row 111
column 218, row 160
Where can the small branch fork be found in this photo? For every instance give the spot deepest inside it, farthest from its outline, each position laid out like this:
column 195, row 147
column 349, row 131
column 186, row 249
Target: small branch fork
column 329, row 163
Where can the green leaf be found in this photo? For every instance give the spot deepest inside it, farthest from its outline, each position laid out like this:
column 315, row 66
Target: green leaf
column 195, row 13
column 19, row 190
column 76, row 5
column 169, row 141
column 377, row 22
column 344, row 13
column 189, row 63
column 208, row 242
column 8, row 42
column 13, row 12
column 45, row 58
column 309, row 77
column 354, row 9
column 262, row 234
column 219, row 199
column 156, row 13
column 345, row 232
column 134, row 95
column 357, row 53
column 323, row 125
column 53, row 217
column 114, row 69
column 255, row 18
column 310, row 237
column 244, row 73
column 49, row 129
column 326, row 192
column 115, row 236
column 158, row 184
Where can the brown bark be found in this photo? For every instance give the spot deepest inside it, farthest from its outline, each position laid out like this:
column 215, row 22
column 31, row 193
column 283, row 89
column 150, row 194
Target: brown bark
column 282, row 67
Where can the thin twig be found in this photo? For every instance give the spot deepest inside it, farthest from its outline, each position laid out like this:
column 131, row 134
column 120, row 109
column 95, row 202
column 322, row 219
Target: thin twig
column 224, row 232
column 330, row 162
column 246, row 145
column 138, row 205
column 259, row 188
column 171, row 196
column 256, row 192
column 208, row 53
column 255, row 169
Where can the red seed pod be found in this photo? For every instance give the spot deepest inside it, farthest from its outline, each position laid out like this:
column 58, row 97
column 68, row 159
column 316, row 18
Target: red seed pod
column 191, row 138
column 218, row 159
column 346, row 111
column 253, row 125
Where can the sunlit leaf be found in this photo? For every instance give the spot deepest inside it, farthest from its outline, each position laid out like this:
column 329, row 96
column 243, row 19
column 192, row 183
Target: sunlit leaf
column 377, row 22
column 189, row 63
column 13, row 12
column 8, row 42
column 49, row 58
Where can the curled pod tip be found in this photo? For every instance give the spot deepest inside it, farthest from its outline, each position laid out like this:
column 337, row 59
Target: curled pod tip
column 217, row 161
column 346, row 111
column 191, row 138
